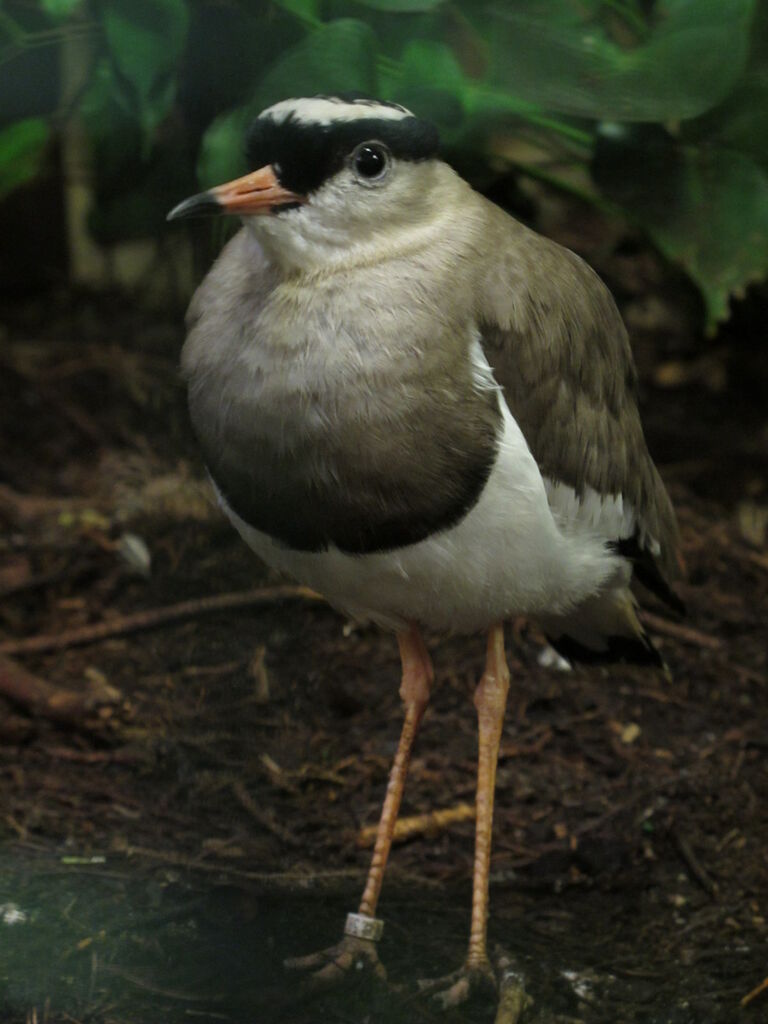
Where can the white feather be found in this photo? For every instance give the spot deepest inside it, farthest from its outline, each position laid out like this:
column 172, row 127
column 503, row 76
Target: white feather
column 607, row 515
column 482, row 374
column 610, row 516
column 325, row 110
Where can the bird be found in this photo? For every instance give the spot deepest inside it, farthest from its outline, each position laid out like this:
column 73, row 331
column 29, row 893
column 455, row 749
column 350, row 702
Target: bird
column 417, row 406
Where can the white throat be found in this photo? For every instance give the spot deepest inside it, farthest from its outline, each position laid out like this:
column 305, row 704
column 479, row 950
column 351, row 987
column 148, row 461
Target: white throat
column 344, row 225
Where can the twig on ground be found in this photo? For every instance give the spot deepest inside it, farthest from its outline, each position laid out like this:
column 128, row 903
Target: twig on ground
column 39, row 697
column 756, row 991
column 290, row 879
column 758, row 559
column 264, row 818
column 148, row 986
column 695, row 866
column 417, row 824
column 154, row 617
column 122, row 755
column 33, row 583
column 13, row 728
column 686, row 634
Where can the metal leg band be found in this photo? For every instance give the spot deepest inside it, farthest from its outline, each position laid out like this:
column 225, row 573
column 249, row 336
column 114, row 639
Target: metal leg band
column 363, row 927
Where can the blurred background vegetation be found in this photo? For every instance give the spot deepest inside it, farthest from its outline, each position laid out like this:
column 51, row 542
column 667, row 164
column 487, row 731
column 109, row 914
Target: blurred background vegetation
column 656, row 110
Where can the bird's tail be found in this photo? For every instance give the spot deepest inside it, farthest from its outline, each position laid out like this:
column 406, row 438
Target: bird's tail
column 605, row 628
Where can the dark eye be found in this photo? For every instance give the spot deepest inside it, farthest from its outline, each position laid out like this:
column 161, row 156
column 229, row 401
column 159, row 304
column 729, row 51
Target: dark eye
column 371, row 160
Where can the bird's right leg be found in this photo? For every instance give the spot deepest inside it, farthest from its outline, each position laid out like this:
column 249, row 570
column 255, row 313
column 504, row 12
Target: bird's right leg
column 363, row 929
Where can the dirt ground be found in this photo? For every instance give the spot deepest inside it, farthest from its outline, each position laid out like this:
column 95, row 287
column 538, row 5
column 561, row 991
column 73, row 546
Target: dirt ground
column 181, row 806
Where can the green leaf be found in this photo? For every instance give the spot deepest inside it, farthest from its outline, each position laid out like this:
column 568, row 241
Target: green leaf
column 60, row 9
column 429, row 81
column 402, row 6
column 431, row 63
column 705, row 208
column 741, row 123
column 339, row 56
column 135, row 205
column 114, row 132
column 307, row 10
column 719, row 229
column 22, row 146
column 222, row 152
column 146, row 39
column 566, row 58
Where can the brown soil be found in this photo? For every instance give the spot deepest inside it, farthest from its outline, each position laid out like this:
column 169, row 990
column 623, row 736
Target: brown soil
column 239, row 753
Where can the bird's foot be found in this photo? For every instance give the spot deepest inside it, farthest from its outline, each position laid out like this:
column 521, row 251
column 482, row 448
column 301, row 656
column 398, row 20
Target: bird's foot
column 478, row 977
column 332, row 966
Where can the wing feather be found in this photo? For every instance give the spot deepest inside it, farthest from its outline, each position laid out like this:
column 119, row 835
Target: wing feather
column 558, row 347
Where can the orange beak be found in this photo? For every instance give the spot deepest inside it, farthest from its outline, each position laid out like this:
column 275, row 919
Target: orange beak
column 257, row 192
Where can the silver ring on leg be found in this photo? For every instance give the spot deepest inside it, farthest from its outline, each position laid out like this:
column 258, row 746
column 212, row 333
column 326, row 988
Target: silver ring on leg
column 363, row 927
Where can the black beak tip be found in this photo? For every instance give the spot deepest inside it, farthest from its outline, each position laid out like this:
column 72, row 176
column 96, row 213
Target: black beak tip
column 204, row 204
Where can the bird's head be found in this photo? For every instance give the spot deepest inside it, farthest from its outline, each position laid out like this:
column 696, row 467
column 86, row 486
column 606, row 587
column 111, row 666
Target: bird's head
column 331, row 178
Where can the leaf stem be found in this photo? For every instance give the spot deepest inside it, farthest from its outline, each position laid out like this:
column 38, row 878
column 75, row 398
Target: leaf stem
column 481, row 95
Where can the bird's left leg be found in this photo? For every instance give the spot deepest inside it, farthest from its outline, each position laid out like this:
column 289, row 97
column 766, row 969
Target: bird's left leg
column 477, row 972
column 363, row 929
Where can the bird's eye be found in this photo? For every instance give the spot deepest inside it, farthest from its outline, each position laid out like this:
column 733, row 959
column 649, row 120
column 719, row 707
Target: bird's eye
column 371, row 160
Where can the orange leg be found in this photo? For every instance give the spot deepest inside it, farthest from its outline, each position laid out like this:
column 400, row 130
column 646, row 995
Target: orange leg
column 414, row 692
column 477, row 972
column 358, row 946
column 490, row 701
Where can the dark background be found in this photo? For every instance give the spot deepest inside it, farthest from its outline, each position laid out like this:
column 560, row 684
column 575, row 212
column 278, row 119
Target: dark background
column 182, row 805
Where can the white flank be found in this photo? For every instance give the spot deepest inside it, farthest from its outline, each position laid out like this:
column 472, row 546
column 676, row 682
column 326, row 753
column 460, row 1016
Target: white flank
column 506, row 557
column 607, row 515
column 610, row 516
column 325, row 110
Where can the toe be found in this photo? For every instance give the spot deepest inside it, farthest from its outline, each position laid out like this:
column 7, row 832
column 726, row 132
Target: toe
column 332, row 973
column 427, row 986
column 478, row 978
column 457, row 994
column 330, row 966
column 310, row 962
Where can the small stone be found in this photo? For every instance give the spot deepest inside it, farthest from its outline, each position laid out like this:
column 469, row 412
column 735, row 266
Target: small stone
column 630, row 733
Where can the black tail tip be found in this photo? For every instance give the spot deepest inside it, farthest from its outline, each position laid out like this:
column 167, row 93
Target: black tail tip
column 637, row 650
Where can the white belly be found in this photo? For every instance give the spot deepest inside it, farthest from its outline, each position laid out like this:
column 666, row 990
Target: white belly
column 506, row 557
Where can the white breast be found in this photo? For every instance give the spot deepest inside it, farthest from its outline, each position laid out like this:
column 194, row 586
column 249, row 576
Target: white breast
column 507, row 556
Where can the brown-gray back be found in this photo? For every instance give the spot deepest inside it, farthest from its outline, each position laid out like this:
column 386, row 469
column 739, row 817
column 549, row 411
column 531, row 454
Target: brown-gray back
column 557, row 345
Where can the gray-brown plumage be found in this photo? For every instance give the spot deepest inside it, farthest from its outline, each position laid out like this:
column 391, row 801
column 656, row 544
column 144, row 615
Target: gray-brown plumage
column 404, row 451
column 428, row 413
column 300, row 470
